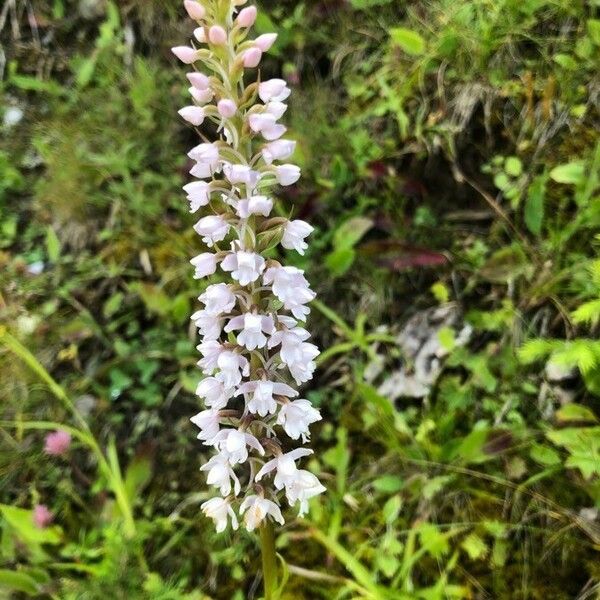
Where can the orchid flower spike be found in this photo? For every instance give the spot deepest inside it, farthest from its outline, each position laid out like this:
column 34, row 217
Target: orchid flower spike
column 254, row 348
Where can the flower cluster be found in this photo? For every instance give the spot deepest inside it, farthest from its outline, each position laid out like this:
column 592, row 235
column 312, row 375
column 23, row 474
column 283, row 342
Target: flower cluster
column 253, row 342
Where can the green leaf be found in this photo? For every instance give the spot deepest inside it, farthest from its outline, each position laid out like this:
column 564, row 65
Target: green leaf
column 513, row 166
column 349, row 233
column 391, row 509
column 575, row 412
column 360, row 4
column 389, row 484
column 475, row 547
column 410, row 41
column 566, row 61
column 544, row 455
column 52, row 245
column 593, row 27
column 534, row 204
column 583, row 446
column 21, row 521
column 447, row 338
column 440, row 292
column 15, row 581
column 433, row 541
column 137, row 475
column 340, row 260
column 572, row 173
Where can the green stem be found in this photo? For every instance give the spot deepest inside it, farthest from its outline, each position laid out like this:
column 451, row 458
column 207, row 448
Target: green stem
column 269, row 560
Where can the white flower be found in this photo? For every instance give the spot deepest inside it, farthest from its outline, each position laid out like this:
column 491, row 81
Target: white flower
column 201, row 96
column 207, row 160
column 296, row 418
column 294, row 234
column 220, row 474
column 219, row 509
column 245, row 267
column 278, row 150
column 218, row 299
column 210, row 350
column 213, row 229
column 284, row 465
column 302, row 371
column 287, row 174
column 198, row 194
column 208, row 422
column 277, row 109
column 262, row 401
column 256, row 509
column 234, row 444
column 255, row 205
column 205, row 264
column 253, row 328
column 199, row 80
column 241, row 174
column 232, row 366
column 291, row 343
column 192, row 114
column 291, row 287
column 267, row 125
column 214, row 393
column 209, row 325
column 301, row 487
column 273, row 89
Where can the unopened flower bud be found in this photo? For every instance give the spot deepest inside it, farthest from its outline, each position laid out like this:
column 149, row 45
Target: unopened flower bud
column 252, row 57
column 194, row 9
column 199, row 80
column 226, row 108
column 217, row 35
column 247, row 16
column 193, row 114
column 265, row 41
column 185, row 54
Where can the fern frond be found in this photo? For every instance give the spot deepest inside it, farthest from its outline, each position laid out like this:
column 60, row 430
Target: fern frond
column 536, row 349
column 588, row 312
column 595, row 272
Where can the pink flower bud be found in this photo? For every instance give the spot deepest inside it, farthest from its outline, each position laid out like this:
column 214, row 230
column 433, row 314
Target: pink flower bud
column 247, row 16
column 57, row 443
column 265, row 41
column 226, row 108
column 251, row 57
column 193, row 114
column 42, row 517
column 185, row 54
column 194, row 9
column 217, row 35
column 199, row 80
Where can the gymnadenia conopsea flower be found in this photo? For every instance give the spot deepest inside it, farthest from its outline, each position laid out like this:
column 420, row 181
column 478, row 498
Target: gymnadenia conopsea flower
column 253, row 346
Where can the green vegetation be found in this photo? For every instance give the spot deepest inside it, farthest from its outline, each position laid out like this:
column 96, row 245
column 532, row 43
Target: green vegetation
column 452, row 169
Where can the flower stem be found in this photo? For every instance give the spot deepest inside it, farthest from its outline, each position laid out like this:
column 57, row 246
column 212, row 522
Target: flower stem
column 269, row 560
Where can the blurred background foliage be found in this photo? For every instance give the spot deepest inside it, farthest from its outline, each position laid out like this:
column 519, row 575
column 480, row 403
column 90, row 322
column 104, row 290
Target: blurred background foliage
column 452, row 170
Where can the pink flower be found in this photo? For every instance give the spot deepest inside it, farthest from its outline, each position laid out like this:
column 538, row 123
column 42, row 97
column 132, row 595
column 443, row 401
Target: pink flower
column 199, row 80
column 57, row 443
column 42, row 517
